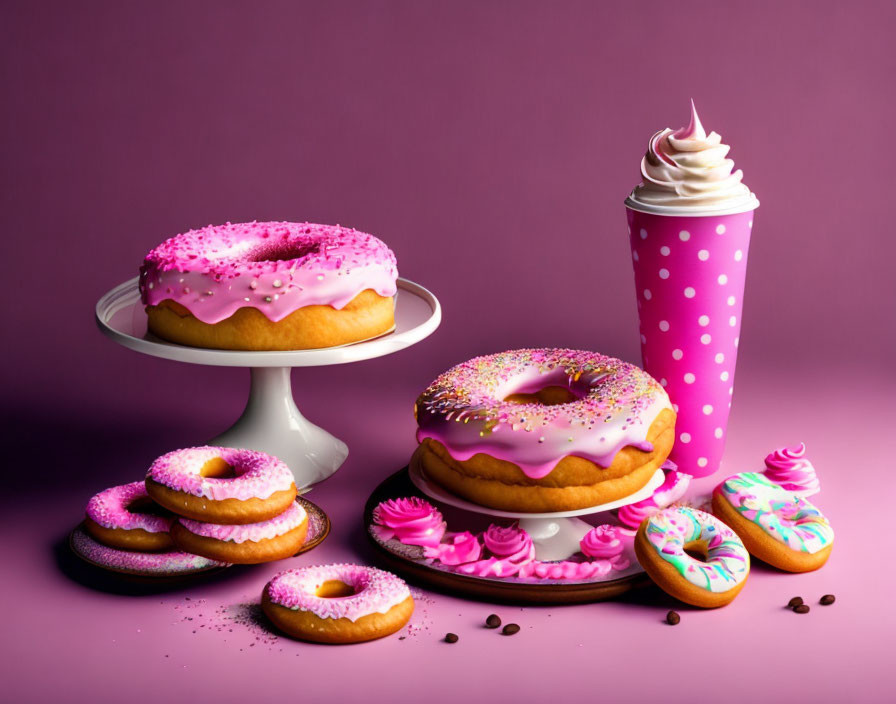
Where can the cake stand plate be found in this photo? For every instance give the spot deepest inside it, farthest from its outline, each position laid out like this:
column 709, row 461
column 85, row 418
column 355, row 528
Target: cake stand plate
column 408, row 560
column 176, row 564
column 271, row 421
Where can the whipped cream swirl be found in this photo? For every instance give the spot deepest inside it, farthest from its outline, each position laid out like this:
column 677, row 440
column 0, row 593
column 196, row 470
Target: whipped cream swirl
column 688, row 171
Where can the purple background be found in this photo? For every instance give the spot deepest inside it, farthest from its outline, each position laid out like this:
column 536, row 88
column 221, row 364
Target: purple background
column 491, row 145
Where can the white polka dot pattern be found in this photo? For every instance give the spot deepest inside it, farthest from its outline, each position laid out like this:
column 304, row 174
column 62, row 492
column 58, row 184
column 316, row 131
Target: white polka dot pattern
column 694, row 270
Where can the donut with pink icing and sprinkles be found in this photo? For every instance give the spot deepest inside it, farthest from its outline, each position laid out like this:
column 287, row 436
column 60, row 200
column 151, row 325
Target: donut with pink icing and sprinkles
column 536, row 430
column 269, row 286
column 221, row 485
column 124, row 517
column 337, row 603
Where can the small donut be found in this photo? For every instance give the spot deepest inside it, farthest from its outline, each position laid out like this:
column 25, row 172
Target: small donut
column 245, row 544
column 125, row 517
column 269, row 286
column 536, row 430
column 337, row 603
column 221, row 485
column 662, row 544
column 778, row 526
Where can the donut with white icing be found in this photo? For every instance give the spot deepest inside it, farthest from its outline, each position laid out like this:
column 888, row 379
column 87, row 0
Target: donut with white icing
column 337, row 603
column 221, row 484
column 779, row 526
column 664, row 541
column 124, row 517
column 246, row 544
column 536, row 430
column 269, row 286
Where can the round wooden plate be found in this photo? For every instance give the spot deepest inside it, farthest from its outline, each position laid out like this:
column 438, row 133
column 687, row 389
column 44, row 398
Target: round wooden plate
column 401, row 559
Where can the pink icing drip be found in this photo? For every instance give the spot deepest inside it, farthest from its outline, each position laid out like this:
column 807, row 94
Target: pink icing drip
column 789, row 468
column 376, row 591
column 671, row 490
column 109, row 509
column 460, row 548
column 258, row 475
column 413, row 521
column 275, row 267
column 145, row 562
column 290, row 519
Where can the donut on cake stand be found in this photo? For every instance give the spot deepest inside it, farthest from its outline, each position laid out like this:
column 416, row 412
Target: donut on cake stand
column 271, row 422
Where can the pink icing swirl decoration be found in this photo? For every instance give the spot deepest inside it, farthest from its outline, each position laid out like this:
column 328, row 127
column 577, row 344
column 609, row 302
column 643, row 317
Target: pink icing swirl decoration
column 460, row 548
column 289, row 520
column 511, row 548
column 413, row 521
column 671, row 490
column 606, row 543
column 109, row 509
column 789, row 468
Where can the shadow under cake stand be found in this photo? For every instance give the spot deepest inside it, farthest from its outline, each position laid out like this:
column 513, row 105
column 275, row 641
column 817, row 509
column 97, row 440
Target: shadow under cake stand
column 555, row 535
column 271, row 422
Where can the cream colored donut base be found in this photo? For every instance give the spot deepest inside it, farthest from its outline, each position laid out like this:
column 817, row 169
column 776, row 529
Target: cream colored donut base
column 132, row 539
column 672, row 582
column 229, row 511
column 573, row 484
column 765, row 547
column 305, row 625
column 367, row 315
column 248, row 553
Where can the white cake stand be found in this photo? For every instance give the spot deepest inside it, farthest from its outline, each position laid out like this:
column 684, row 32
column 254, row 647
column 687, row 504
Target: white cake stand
column 271, row 421
column 556, row 535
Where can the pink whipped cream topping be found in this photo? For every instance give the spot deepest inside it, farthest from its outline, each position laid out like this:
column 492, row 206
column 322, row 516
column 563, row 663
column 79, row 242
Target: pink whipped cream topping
column 615, row 403
column 789, row 468
column 376, row 591
column 289, row 520
column 413, row 521
column 671, row 490
column 275, row 267
column 149, row 563
column 258, row 475
column 605, row 543
column 109, row 509
column 510, row 548
column 460, row 548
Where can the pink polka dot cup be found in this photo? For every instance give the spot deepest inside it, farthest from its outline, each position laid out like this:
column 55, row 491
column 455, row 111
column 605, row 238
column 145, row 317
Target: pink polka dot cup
column 689, row 276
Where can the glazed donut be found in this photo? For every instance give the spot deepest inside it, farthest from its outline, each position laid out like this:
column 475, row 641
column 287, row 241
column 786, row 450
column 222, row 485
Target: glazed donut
column 778, row 526
column 661, row 545
column 337, row 603
column 274, row 539
column 543, row 430
column 269, row 286
column 221, row 485
column 125, row 517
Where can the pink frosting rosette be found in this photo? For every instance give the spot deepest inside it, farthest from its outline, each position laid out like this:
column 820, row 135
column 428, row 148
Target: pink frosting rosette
column 605, row 543
column 412, row 521
column 671, row 490
column 789, row 468
column 511, row 548
column 459, row 549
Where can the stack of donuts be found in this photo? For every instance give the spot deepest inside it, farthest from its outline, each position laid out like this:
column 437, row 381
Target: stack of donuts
column 225, row 505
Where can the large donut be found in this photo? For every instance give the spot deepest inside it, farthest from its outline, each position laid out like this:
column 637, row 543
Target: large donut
column 125, row 517
column 543, row 429
column 661, row 545
column 274, row 539
column 778, row 526
column 337, row 603
column 221, row 485
column 269, row 286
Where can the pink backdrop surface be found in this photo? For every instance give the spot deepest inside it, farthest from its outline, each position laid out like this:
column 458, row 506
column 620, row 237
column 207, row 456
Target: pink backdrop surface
column 491, row 145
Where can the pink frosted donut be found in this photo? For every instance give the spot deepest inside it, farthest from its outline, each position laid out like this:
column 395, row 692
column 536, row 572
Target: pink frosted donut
column 245, row 544
column 269, row 285
column 221, row 484
column 125, row 517
column 337, row 603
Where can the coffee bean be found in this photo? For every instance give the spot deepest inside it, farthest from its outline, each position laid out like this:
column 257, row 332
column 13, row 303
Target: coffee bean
column 510, row 629
column 801, row 609
column 451, row 638
column 796, row 601
column 827, row 600
column 493, row 621
column 672, row 618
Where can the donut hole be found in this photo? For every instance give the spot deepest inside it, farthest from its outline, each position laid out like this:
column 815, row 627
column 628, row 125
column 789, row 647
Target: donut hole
column 284, row 251
column 552, row 389
column 145, row 505
column 697, row 551
column 335, row 589
column 548, row 396
column 217, row 468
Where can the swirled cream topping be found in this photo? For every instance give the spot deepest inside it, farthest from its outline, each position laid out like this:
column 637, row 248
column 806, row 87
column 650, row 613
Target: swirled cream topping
column 689, row 171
